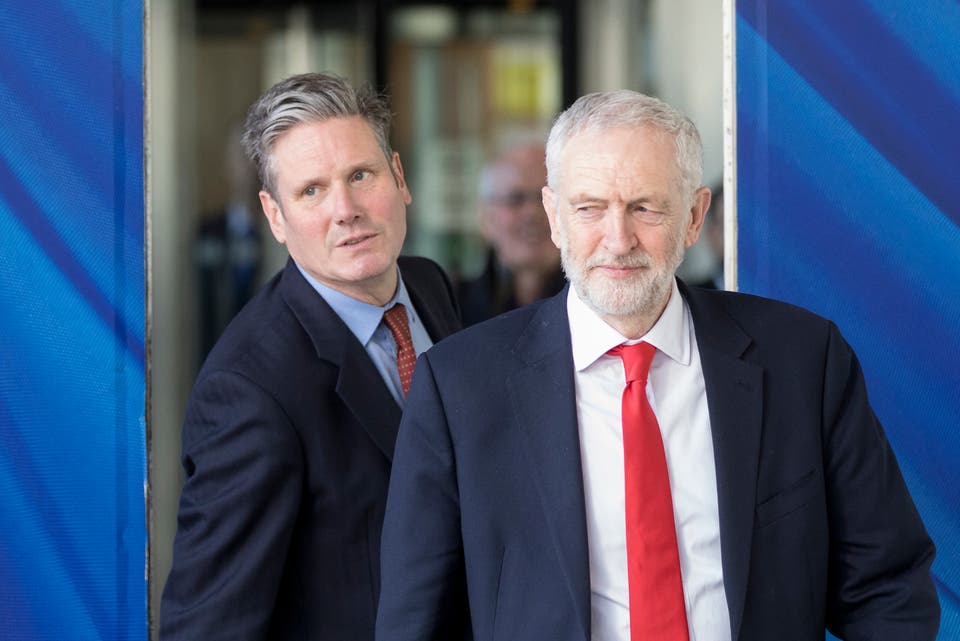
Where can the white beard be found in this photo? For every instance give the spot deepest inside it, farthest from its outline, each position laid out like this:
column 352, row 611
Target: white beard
column 643, row 294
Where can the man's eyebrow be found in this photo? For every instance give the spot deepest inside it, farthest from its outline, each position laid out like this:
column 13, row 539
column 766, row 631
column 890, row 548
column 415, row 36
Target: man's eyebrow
column 368, row 164
column 307, row 182
column 658, row 203
column 585, row 197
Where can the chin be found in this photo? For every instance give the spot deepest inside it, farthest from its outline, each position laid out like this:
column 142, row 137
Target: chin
column 638, row 296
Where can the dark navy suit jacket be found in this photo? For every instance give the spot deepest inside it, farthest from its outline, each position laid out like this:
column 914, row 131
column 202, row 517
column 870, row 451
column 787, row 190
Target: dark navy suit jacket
column 287, row 444
column 485, row 526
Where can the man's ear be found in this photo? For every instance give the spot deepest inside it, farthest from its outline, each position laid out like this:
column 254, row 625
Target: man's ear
column 698, row 213
column 397, row 169
column 271, row 209
column 550, row 206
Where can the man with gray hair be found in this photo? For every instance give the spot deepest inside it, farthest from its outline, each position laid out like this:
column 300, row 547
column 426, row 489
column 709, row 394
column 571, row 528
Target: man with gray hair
column 635, row 459
column 290, row 429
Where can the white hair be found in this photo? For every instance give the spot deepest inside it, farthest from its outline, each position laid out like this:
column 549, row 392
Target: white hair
column 625, row 108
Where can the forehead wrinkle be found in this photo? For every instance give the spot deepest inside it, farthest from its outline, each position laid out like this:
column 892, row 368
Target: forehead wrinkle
column 585, row 196
column 317, row 157
column 588, row 169
column 630, row 190
column 332, row 129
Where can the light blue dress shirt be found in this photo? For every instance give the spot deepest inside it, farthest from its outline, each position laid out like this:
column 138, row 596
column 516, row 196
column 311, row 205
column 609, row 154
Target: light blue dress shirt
column 365, row 321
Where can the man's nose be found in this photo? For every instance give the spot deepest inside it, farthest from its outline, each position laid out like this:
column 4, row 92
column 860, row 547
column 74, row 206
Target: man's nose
column 618, row 235
column 343, row 202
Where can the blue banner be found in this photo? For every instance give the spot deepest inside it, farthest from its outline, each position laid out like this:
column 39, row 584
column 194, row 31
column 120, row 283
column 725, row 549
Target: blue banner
column 848, row 146
column 73, row 539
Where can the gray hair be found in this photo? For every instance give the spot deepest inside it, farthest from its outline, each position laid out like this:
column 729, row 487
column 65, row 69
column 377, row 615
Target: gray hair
column 307, row 98
column 625, row 108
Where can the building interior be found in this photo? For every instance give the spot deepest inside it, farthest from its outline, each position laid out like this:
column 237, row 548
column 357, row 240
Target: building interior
column 465, row 78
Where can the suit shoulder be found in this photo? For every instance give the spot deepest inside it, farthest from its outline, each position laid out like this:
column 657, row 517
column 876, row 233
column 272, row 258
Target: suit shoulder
column 781, row 331
column 491, row 336
column 758, row 309
column 264, row 339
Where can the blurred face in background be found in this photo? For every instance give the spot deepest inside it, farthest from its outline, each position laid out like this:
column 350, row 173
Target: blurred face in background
column 340, row 206
column 512, row 217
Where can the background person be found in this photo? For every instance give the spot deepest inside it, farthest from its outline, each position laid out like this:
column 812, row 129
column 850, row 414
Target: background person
column 522, row 265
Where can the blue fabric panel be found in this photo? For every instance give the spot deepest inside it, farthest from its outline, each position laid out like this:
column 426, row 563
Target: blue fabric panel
column 73, row 545
column 848, row 142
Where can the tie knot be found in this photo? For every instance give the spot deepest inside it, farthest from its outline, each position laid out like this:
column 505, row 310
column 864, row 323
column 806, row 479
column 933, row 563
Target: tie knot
column 395, row 319
column 636, row 360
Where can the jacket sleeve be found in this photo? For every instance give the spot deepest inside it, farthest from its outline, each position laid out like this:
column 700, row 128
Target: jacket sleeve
column 423, row 593
column 237, row 510
column 880, row 588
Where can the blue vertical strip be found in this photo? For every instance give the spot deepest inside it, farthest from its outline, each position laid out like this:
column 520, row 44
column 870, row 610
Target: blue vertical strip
column 73, row 545
column 848, row 141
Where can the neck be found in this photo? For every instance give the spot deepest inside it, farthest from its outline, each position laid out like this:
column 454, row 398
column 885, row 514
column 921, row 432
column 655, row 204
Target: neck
column 383, row 290
column 375, row 291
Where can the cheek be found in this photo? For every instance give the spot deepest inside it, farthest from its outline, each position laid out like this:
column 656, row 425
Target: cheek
column 313, row 224
column 392, row 208
column 394, row 220
column 580, row 247
column 310, row 227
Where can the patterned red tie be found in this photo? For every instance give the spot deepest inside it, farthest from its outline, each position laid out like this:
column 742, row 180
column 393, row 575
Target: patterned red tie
column 396, row 319
column 657, row 612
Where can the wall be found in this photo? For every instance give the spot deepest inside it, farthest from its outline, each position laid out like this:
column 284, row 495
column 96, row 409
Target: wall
column 72, row 346
column 170, row 198
column 848, row 141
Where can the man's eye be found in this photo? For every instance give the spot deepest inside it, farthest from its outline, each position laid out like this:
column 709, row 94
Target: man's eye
column 646, row 211
column 360, row 175
column 310, row 191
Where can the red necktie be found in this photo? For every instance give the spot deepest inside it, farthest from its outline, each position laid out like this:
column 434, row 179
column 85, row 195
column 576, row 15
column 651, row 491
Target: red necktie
column 657, row 612
column 396, row 319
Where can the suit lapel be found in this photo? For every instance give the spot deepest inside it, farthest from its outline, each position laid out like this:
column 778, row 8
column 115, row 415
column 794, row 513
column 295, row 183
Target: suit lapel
column 362, row 389
column 735, row 401
column 359, row 385
column 544, row 402
column 429, row 306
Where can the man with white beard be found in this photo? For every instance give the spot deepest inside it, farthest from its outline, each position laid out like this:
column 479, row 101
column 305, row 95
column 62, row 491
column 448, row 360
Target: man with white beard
column 637, row 459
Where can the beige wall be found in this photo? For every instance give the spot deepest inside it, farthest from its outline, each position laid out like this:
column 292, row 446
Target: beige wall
column 169, row 203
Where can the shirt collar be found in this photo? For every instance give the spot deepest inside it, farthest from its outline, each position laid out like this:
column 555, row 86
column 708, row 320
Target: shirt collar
column 361, row 318
column 591, row 337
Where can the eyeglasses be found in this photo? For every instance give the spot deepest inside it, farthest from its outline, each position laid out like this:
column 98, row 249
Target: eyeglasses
column 515, row 199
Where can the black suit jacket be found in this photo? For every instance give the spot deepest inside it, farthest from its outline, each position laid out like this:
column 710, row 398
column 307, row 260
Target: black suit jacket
column 287, row 444
column 491, row 293
column 486, row 525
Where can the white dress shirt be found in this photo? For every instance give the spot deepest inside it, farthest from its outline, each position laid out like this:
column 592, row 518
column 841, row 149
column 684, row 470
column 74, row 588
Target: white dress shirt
column 675, row 389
